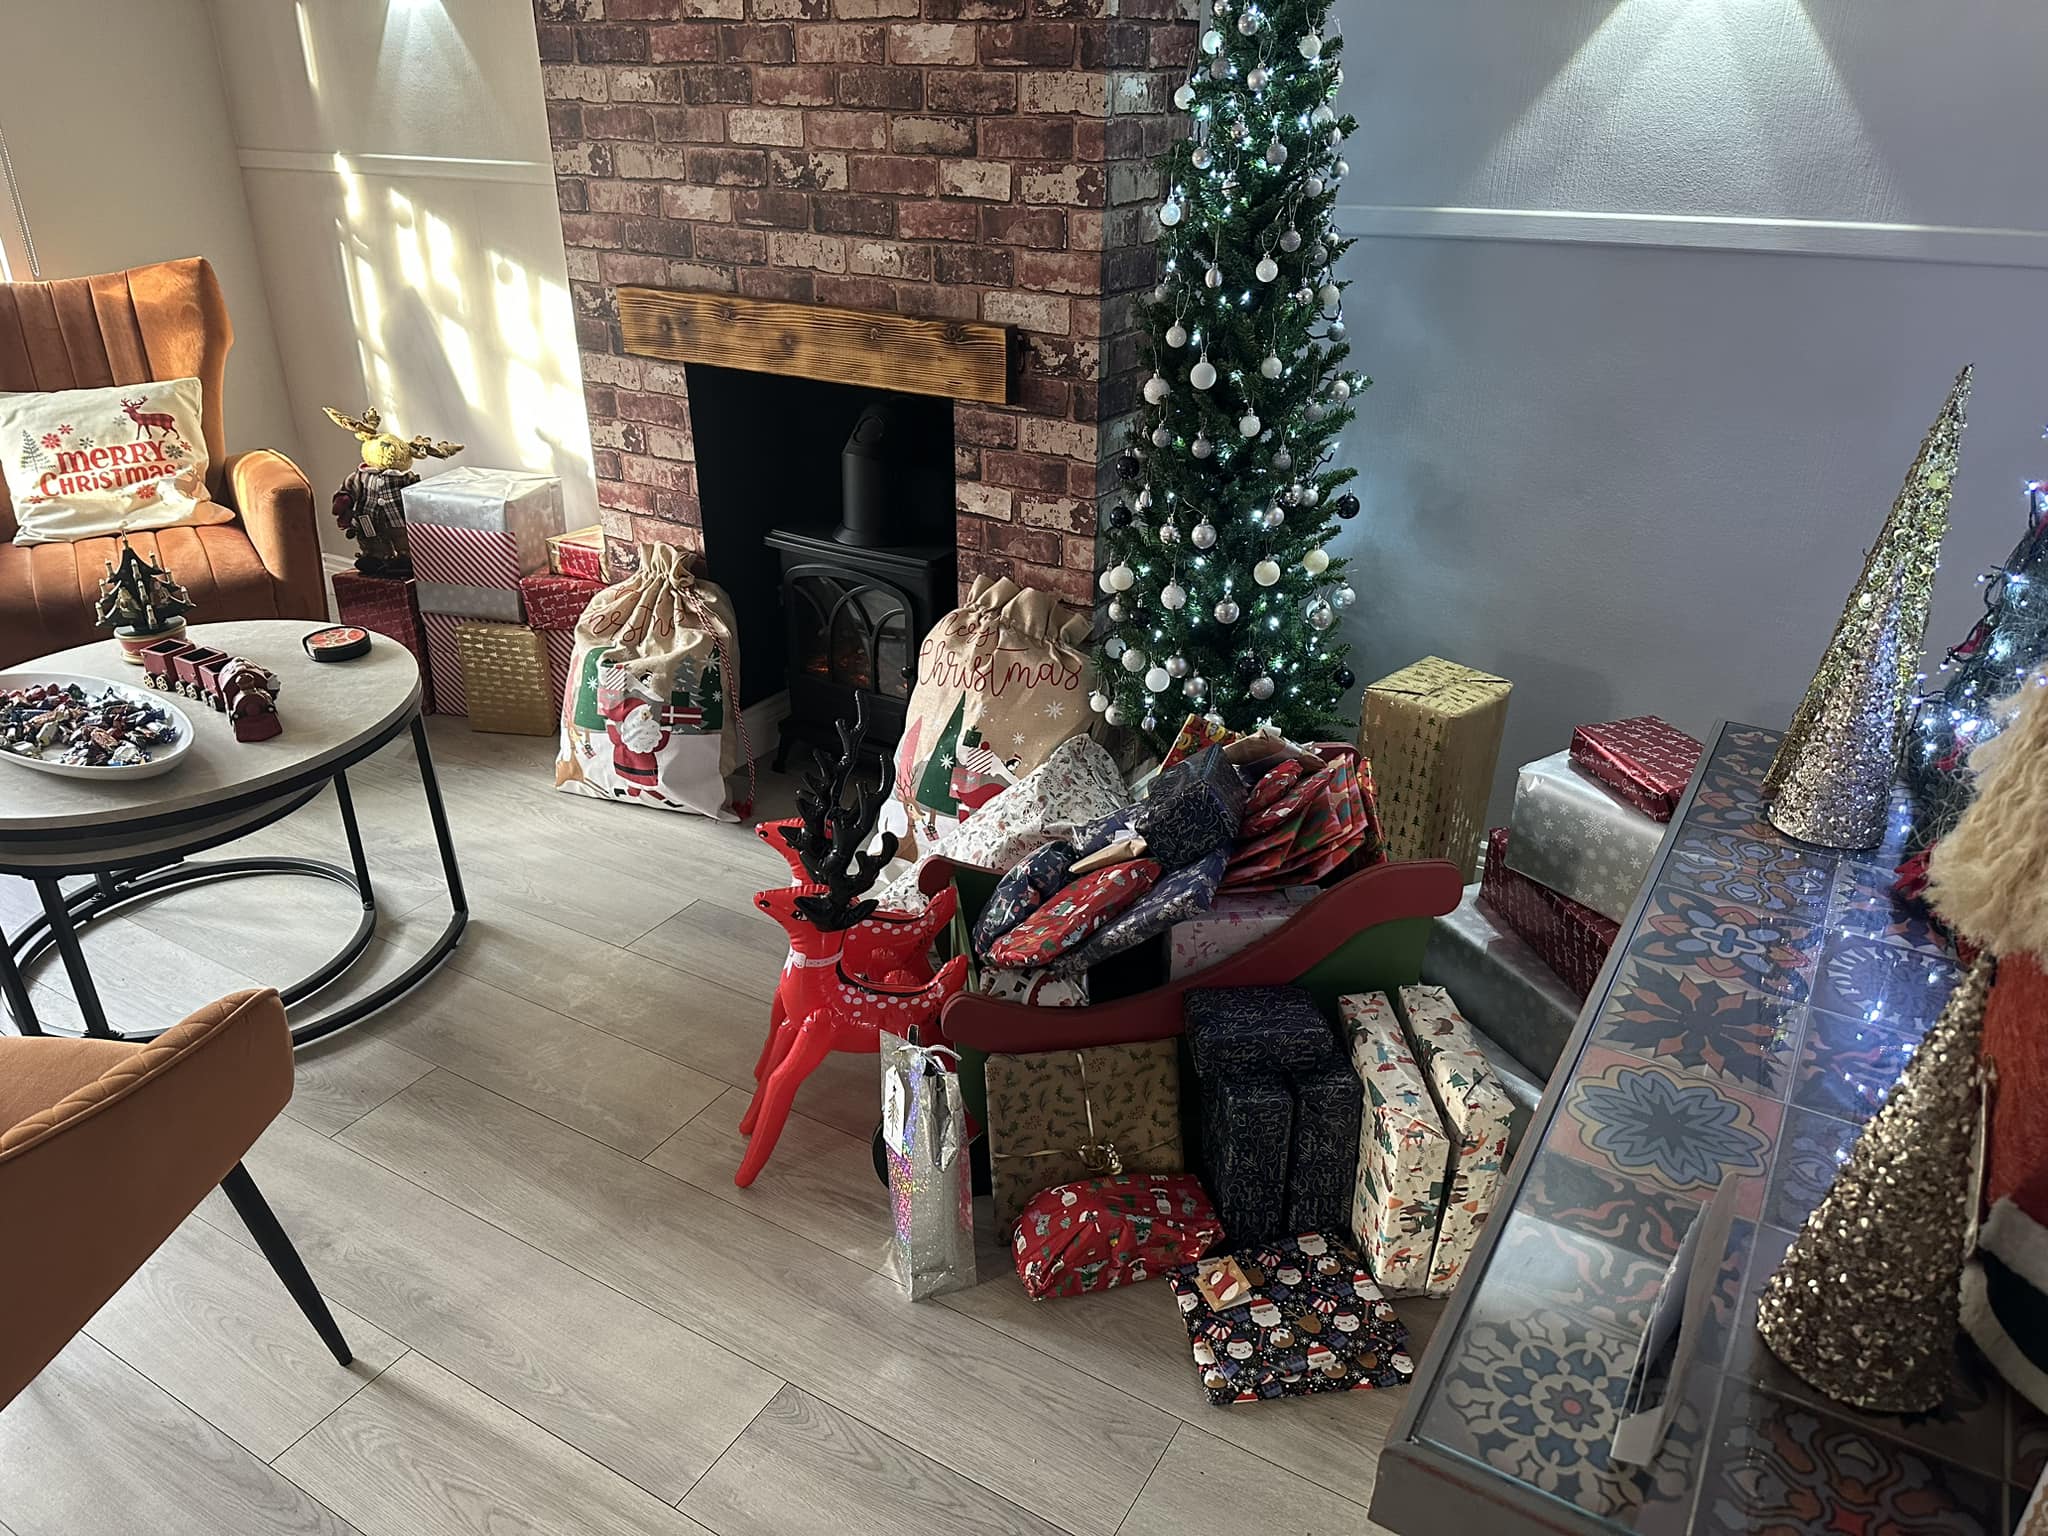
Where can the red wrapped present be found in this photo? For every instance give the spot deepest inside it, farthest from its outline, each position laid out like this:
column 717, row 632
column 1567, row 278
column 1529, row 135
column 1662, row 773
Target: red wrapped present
column 1073, row 913
column 1645, row 761
column 1100, row 1233
column 1196, row 732
column 385, row 605
column 1572, row 939
column 557, row 602
column 444, row 663
column 578, row 553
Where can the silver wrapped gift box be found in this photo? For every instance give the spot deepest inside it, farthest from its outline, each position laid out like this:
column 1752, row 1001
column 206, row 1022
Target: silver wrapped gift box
column 1569, row 833
column 1502, row 985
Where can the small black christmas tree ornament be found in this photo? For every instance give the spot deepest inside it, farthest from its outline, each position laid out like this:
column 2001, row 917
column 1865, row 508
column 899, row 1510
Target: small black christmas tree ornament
column 139, row 602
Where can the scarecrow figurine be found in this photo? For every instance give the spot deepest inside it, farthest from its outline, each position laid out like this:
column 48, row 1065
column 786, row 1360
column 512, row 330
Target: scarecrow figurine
column 369, row 506
column 139, row 596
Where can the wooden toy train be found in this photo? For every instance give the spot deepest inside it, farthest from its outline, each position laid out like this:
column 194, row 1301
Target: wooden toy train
column 243, row 691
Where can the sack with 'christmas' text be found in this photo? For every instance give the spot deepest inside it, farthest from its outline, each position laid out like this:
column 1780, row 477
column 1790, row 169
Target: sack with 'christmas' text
column 650, row 712
column 1001, row 681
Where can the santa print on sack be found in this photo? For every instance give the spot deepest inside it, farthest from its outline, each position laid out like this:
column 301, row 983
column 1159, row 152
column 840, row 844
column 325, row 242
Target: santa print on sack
column 79, row 466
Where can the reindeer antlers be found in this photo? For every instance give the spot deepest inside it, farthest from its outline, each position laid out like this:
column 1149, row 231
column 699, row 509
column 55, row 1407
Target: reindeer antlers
column 830, row 840
column 364, row 426
column 427, row 448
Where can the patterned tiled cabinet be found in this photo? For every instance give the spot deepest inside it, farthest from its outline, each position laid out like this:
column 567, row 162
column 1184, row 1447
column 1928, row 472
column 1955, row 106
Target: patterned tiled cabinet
column 1765, row 997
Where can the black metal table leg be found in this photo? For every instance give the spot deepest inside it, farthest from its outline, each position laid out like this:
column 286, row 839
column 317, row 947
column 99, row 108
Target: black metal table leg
column 345, row 802
column 72, row 952
column 438, row 814
column 14, row 991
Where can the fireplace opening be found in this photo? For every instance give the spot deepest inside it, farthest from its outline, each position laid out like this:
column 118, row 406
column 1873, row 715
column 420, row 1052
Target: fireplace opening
column 828, row 518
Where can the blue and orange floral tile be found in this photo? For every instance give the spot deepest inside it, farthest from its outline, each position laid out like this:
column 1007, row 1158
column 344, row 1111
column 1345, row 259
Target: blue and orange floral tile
column 1882, row 983
column 1756, row 873
column 1606, row 1205
column 1847, row 1067
column 1669, row 1129
column 1714, row 1028
column 1784, row 1467
column 1773, row 954
column 1812, row 1148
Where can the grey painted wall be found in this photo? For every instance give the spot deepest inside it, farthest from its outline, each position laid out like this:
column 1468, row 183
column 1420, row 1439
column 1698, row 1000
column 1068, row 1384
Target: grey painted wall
column 1660, row 296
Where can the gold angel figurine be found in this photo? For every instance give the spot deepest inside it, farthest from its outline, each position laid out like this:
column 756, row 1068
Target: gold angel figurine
column 369, row 506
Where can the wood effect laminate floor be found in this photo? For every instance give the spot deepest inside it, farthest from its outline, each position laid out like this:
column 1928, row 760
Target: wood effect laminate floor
column 515, row 1188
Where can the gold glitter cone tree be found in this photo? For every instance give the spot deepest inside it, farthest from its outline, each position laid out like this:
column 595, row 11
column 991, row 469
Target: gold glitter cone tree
column 1866, row 1305
column 1831, row 780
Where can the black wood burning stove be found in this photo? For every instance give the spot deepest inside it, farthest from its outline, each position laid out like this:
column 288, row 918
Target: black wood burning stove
column 858, row 598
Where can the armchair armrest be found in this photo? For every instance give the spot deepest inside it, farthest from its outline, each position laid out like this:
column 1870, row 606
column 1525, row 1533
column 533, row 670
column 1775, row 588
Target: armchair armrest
column 275, row 503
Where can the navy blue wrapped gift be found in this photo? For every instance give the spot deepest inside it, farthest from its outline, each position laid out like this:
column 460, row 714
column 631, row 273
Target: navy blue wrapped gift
column 1247, row 1135
column 1233, row 1031
column 1322, row 1172
column 1183, row 894
column 1022, row 891
column 1193, row 809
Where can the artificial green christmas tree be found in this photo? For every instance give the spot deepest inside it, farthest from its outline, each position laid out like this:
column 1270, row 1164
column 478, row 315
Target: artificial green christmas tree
column 1222, row 597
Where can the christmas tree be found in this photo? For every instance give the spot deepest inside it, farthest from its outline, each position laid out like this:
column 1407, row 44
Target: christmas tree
column 1222, row 597
column 2003, row 647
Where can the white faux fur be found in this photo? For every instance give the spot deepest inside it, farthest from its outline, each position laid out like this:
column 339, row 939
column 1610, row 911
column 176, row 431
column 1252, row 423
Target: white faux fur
column 1989, row 877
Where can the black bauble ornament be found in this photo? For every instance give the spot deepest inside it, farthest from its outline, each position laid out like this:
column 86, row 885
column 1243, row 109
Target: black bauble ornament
column 1346, row 677
column 1127, row 466
column 1119, row 516
column 1347, row 506
column 1248, row 668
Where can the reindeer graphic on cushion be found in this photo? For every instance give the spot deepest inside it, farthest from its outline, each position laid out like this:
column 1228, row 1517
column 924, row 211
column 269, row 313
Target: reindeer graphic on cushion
column 162, row 423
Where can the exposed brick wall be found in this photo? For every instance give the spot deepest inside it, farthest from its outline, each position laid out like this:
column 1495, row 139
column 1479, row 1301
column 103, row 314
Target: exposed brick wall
column 976, row 159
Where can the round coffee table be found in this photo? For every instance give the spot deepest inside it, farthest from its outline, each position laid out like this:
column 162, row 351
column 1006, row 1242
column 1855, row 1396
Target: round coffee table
column 135, row 838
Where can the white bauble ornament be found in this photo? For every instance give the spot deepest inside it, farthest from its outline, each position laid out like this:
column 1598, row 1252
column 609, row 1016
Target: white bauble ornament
column 1257, row 77
column 1201, row 157
column 1248, row 23
column 1162, row 436
column 1155, row 389
column 1323, row 116
column 1203, row 374
column 1341, row 388
column 1098, row 701
column 1102, row 581
column 1195, row 687
column 1266, row 270
column 1248, row 425
column 1329, row 298
column 1310, row 46
column 1122, row 578
column 1310, row 495
column 1150, row 722
column 1271, row 367
column 1156, row 680
column 1213, row 277
column 1173, row 595
column 1176, row 335
column 1316, row 561
column 1169, row 213
column 1342, row 168
column 1184, row 97
column 1283, row 460
column 1201, row 447
column 1116, row 610
column 1261, row 687
column 1273, row 517
column 1312, row 186
column 1212, row 41
column 1226, row 611
column 1344, row 596
column 1203, row 535
column 1143, row 499
column 1161, row 294
column 1168, row 534
column 1113, row 647
column 1290, row 240
column 1335, row 140
column 1266, row 573
column 1134, row 660
column 1114, row 714
column 1176, row 666
column 1276, row 152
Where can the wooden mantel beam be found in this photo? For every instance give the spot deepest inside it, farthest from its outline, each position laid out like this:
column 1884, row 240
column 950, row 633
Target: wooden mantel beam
column 963, row 359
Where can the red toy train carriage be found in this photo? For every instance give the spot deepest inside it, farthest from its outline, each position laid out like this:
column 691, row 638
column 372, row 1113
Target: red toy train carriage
column 239, row 689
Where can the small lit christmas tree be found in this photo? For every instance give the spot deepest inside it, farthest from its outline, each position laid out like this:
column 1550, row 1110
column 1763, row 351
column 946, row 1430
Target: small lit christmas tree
column 1222, row 596
column 2005, row 645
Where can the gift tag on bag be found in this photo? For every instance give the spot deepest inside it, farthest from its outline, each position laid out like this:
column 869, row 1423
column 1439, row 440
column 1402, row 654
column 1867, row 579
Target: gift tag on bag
column 895, row 1112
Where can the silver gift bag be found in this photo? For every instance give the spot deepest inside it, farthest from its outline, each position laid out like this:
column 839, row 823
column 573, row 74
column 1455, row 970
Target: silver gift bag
column 931, row 1188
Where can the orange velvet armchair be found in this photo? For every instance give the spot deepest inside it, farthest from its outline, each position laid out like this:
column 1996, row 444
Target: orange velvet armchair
column 167, row 321
column 105, row 1146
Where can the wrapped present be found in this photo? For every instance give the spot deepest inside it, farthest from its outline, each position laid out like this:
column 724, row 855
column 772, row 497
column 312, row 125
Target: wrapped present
column 1644, row 760
column 472, row 573
column 389, row 606
column 1247, row 1137
column 1176, row 897
column 1072, row 914
column 1192, row 811
column 1569, row 833
column 505, row 682
column 1273, row 783
column 1432, row 732
column 444, row 662
column 525, row 506
column 931, row 1182
column 1572, row 938
column 1403, row 1150
column 1058, row 1116
column 1288, row 1318
column 1102, row 1233
column 1328, row 1106
column 1232, row 922
column 1477, row 1114
column 556, row 602
column 1502, row 985
column 1196, row 732
column 578, row 553
column 1024, row 888
column 1034, row 989
column 561, row 644
column 1250, row 1030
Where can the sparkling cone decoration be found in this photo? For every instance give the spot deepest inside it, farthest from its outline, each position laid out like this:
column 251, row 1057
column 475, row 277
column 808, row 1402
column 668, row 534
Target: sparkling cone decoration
column 1866, row 1305
column 1831, row 781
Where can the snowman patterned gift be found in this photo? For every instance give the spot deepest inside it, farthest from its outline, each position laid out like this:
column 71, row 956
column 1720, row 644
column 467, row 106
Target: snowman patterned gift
column 1403, row 1150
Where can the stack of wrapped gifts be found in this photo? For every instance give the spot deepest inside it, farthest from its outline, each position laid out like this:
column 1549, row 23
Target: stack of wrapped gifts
column 555, row 600
column 476, row 534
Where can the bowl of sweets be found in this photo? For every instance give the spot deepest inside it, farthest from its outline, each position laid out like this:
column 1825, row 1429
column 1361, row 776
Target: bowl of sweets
column 88, row 728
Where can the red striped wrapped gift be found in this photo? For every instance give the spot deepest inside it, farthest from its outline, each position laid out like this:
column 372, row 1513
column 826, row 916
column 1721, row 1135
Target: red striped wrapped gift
column 471, row 571
column 444, row 663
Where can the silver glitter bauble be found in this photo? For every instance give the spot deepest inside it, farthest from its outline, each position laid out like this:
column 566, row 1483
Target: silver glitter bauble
column 1329, row 297
column 1168, row 534
column 1156, row 389
column 1219, row 68
column 1201, row 447
column 1174, row 596
column 1176, row 335
column 1240, row 130
column 1248, row 23
column 1248, row 425
column 1336, row 330
column 1133, row 660
column 1271, row 367
column 1226, row 611
column 1194, row 687
column 1276, row 152
column 1318, row 254
column 1116, row 610
column 1177, row 666
column 1203, row 535
column 1309, row 46
column 1098, row 701
column 1290, row 240
column 1256, row 77
column 1266, row 270
column 1162, row 436
column 1261, row 687
column 1283, row 461
column 1323, row 116
column 1313, row 411
column 1312, row 186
